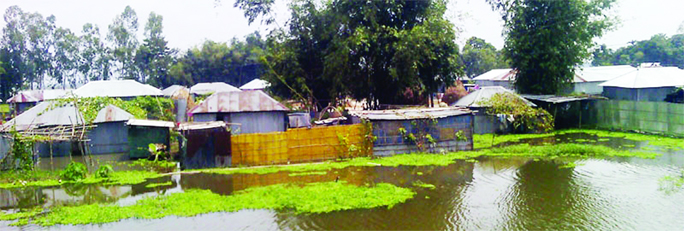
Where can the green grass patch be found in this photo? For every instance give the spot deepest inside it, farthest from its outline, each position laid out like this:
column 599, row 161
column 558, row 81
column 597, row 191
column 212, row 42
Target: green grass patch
column 155, row 185
column 308, row 173
column 489, row 140
column 422, row 184
column 52, row 179
column 309, row 198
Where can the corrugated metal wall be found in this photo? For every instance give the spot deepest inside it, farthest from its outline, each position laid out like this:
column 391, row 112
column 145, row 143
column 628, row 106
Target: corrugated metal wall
column 654, row 117
column 140, row 137
column 109, row 137
column 257, row 122
column 641, row 94
column 294, row 145
column 390, row 141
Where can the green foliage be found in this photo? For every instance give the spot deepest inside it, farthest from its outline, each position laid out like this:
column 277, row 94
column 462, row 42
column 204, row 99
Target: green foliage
column 668, row 51
column 479, row 57
column 422, row 184
column 21, row 152
column 460, row 136
column 157, row 185
column 310, row 198
column 545, row 40
column 122, row 33
column 142, row 107
column 156, row 166
column 75, row 171
column 525, row 117
column 573, row 150
column 104, row 171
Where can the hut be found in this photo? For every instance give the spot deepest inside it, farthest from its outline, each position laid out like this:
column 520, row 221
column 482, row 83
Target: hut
column 644, row 84
column 245, row 111
column 206, row 145
column 24, row 100
column 142, row 133
column 255, row 84
column 484, row 123
column 208, row 88
column 123, row 89
column 449, row 130
column 181, row 98
column 588, row 79
column 110, row 134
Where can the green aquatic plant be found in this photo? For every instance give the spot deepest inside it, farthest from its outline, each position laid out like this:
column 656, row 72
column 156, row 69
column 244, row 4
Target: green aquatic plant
column 75, row 171
column 104, row 171
column 116, row 178
column 655, row 140
column 481, row 141
column 309, row 198
column 422, row 184
column 672, row 184
column 155, row 185
column 574, row 150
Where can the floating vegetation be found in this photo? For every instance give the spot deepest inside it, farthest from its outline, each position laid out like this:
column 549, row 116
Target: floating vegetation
column 310, row 198
column 672, row 184
column 422, row 184
column 308, row 173
column 655, row 140
column 581, row 140
column 488, row 140
column 569, row 165
column 155, row 185
column 419, row 173
column 115, row 178
column 570, row 150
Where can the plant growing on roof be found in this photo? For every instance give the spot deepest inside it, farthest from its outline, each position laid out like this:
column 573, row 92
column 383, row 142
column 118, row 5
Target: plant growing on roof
column 525, row 117
column 140, row 107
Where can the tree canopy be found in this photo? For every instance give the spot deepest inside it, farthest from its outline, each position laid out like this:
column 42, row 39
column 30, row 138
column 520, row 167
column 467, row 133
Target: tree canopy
column 668, row 51
column 546, row 40
column 479, row 56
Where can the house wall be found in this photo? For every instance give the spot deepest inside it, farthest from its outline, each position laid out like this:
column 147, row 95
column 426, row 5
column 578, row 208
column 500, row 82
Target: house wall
column 637, row 94
column 204, row 117
column 390, row 142
column 109, row 137
column 206, row 148
column 485, row 83
column 256, row 122
column 653, row 117
column 139, row 138
column 59, row 148
column 592, row 88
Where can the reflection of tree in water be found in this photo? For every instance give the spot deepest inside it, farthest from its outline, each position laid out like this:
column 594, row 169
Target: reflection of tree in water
column 24, row 198
column 437, row 212
column 546, row 196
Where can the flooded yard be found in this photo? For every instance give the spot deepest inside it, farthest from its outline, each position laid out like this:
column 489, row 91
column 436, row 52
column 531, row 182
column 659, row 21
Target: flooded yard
column 482, row 193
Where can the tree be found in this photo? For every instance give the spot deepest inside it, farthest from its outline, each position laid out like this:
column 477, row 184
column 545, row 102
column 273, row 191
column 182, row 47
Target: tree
column 95, row 58
column 39, row 32
column 66, row 58
column 479, row 57
column 546, row 40
column 13, row 53
column 602, row 56
column 154, row 57
column 668, row 51
column 122, row 33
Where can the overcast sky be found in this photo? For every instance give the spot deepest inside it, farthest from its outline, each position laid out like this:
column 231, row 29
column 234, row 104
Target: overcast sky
column 189, row 23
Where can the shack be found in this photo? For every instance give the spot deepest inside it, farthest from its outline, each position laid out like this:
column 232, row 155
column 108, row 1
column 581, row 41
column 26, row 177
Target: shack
column 568, row 111
column 181, row 99
column 123, row 89
column 110, row 134
column 245, row 111
column 206, row 145
column 434, row 130
column 24, row 100
column 485, row 123
column 645, row 84
column 208, row 88
column 142, row 133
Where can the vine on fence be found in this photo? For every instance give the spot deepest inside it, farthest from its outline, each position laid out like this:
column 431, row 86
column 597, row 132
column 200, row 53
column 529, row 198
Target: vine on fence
column 532, row 119
column 142, row 107
column 347, row 149
column 422, row 139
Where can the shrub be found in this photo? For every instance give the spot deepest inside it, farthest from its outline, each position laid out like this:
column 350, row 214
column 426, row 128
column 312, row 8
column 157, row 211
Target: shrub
column 74, row 172
column 105, row 171
column 454, row 93
column 525, row 117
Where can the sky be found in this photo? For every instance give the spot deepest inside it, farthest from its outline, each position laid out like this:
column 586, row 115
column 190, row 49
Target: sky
column 189, row 23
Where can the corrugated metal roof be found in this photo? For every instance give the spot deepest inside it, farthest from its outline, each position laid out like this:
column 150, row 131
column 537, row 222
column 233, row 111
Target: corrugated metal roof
column 256, row 84
column 603, row 73
column 207, row 88
column 201, row 125
column 37, row 116
column 554, row 98
column 111, row 113
column 172, row 89
column 497, row 75
column 649, row 78
column 238, row 101
column 484, row 93
column 38, row 95
column 150, row 123
column 408, row 114
column 116, row 88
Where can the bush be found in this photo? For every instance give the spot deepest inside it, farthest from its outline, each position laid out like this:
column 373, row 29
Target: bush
column 74, row 172
column 525, row 117
column 454, row 93
column 105, row 171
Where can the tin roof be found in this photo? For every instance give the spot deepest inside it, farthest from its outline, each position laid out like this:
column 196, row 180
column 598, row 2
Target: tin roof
column 201, row 125
column 38, row 116
column 484, row 93
column 238, row 101
column 207, row 88
column 587, row 74
column 408, row 114
column 255, row 84
column 497, row 75
column 111, row 113
column 116, row 88
column 38, row 95
column 649, row 78
column 150, row 123
column 554, row 98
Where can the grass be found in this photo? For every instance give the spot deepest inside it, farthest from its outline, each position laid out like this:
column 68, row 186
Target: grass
column 489, row 140
column 154, row 185
column 308, row 173
column 47, row 179
column 310, row 198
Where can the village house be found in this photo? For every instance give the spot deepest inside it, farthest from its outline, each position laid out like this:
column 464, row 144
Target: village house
column 123, row 89
column 208, row 88
column 645, row 84
column 485, row 123
column 24, row 100
column 255, row 84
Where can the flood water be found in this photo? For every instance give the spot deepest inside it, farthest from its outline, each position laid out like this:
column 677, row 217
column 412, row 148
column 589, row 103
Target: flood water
column 518, row 193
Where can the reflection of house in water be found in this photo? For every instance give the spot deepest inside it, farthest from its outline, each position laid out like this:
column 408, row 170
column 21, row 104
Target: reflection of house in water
column 21, row 198
column 84, row 194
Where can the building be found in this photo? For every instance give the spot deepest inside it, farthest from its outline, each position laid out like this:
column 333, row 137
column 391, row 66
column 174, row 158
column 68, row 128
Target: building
column 181, row 98
column 24, row 100
column 256, row 84
column 496, row 77
column 208, row 88
column 644, row 84
column 123, row 89
column 142, row 133
column 245, row 111
column 110, row 134
column 451, row 130
column 207, row 145
column 485, row 123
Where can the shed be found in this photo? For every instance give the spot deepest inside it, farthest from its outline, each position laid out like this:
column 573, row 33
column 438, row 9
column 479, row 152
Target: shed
column 245, row 111
column 24, row 100
column 567, row 111
column 141, row 133
column 111, row 133
column 644, row 84
column 181, row 98
column 208, row 88
column 451, row 129
column 496, row 77
column 484, row 123
column 255, row 84
column 124, row 89
column 206, row 145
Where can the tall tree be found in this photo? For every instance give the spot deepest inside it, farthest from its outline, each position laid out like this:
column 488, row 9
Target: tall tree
column 39, row 32
column 66, row 58
column 545, row 39
column 95, row 57
column 122, row 33
column 479, row 56
column 154, row 57
column 13, row 53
